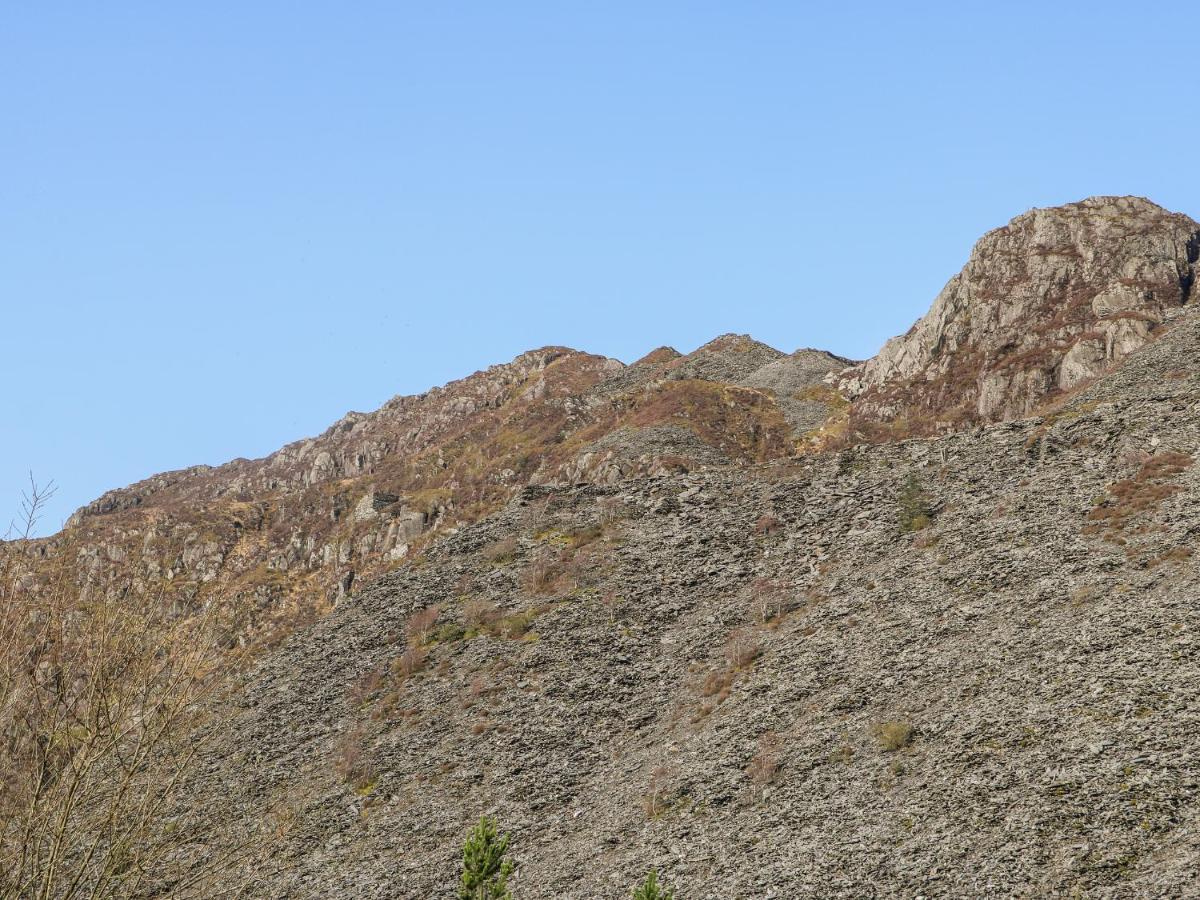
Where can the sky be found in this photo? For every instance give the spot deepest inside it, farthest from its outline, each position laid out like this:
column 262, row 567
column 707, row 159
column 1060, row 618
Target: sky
column 223, row 225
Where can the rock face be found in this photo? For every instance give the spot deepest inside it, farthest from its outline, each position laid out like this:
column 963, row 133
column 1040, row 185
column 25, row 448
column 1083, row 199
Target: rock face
column 1051, row 300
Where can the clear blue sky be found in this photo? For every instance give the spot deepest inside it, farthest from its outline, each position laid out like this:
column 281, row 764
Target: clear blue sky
column 222, row 225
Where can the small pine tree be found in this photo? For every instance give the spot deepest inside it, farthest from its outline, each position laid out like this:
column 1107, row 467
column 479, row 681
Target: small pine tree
column 485, row 870
column 914, row 510
column 650, row 889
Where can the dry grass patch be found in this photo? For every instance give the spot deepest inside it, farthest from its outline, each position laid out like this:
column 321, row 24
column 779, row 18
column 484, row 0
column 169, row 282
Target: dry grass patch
column 764, row 764
column 581, row 537
column 1177, row 555
column 487, row 619
column 501, row 552
column 894, row 735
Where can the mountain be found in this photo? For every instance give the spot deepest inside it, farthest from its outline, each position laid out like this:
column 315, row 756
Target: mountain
column 776, row 625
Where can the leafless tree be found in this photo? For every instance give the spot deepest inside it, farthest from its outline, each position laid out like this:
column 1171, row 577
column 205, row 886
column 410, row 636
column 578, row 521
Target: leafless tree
column 742, row 648
column 101, row 699
column 656, row 790
column 612, row 603
column 765, row 762
column 420, row 625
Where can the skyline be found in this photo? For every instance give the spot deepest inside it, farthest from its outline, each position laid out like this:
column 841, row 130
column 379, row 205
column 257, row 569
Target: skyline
column 221, row 229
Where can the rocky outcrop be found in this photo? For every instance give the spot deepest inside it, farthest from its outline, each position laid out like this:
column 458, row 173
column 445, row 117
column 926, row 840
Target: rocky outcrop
column 799, row 385
column 1045, row 303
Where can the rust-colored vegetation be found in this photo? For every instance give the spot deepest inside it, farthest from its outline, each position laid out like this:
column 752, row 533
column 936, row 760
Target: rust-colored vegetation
column 1153, row 483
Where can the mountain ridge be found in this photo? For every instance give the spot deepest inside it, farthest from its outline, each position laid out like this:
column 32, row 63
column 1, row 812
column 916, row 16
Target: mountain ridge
column 375, row 487
column 778, row 625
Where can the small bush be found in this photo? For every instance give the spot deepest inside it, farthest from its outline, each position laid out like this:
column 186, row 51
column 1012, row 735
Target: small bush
column 894, row 735
column 925, row 540
column 481, row 686
column 485, row 870
column 500, row 553
column 584, row 536
column 612, row 510
column 612, row 603
column 768, row 600
column 1174, row 555
column 913, row 511
column 765, row 762
column 351, row 760
column 843, row 754
column 479, row 614
column 767, row 525
column 515, row 626
column 410, row 662
column 449, row 633
column 717, row 684
column 1142, row 493
column 742, row 648
column 365, row 688
column 650, row 889
column 542, row 574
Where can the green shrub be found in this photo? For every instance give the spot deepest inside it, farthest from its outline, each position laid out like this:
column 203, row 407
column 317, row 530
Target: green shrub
column 650, row 889
column 485, row 870
column 914, row 511
column 449, row 633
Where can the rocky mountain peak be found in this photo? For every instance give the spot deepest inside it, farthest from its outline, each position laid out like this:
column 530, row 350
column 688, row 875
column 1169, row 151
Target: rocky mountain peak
column 728, row 357
column 1044, row 303
column 657, row 357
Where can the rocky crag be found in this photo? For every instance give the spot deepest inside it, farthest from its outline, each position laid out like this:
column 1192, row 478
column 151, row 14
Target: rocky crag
column 779, row 626
column 1047, row 302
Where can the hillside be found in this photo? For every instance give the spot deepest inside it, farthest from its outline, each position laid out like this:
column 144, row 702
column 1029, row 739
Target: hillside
column 777, row 625
column 997, row 704
column 281, row 539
